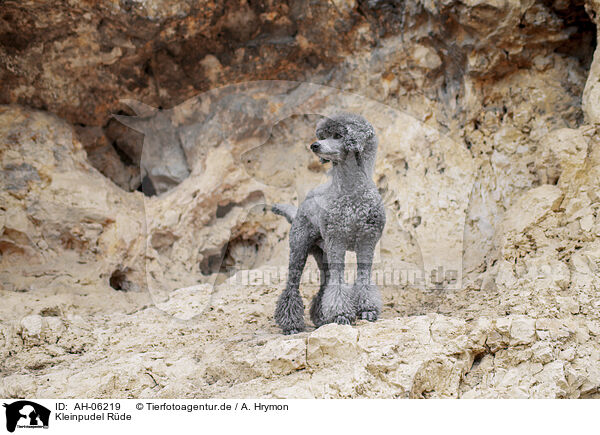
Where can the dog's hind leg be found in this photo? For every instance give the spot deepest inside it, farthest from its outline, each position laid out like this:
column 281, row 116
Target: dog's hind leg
column 368, row 298
column 289, row 313
column 316, row 312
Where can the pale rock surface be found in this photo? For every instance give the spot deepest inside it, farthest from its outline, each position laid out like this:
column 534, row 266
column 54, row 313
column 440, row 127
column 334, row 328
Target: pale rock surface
column 489, row 165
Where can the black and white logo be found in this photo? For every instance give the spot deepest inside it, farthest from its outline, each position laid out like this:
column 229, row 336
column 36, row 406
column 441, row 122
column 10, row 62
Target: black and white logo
column 26, row 414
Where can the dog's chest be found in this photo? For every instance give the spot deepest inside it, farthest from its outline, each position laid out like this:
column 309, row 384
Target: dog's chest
column 355, row 215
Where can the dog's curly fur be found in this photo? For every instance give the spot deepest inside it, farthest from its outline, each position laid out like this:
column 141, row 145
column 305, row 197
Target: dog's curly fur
column 344, row 214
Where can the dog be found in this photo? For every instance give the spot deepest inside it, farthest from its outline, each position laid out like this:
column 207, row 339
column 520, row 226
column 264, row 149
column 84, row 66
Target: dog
column 344, row 214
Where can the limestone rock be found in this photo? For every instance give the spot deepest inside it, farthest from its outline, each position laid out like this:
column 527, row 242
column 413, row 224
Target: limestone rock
column 489, row 166
column 332, row 344
column 396, row 357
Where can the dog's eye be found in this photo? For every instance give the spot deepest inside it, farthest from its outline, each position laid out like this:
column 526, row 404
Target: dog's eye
column 337, row 136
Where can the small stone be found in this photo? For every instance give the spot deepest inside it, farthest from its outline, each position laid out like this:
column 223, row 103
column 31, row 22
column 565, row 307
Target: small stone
column 522, row 331
column 542, row 352
column 542, row 63
column 568, row 304
column 32, row 325
column 503, row 325
column 594, row 328
column 587, row 222
column 426, row 57
column 567, row 354
column 552, row 380
column 579, row 262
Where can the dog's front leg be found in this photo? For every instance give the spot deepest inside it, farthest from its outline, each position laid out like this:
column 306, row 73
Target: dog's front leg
column 368, row 298
column 337, row 303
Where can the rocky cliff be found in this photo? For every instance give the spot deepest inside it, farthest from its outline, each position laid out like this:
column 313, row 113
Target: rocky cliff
column 140, row 142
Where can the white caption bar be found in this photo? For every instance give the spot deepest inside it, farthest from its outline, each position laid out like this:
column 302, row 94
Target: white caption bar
column 150, row 416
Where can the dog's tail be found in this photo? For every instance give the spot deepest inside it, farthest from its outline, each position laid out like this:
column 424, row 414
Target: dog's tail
column 288, row 211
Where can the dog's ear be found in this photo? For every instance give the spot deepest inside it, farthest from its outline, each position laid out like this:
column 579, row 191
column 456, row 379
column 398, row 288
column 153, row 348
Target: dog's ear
column 354, row 145
column 354, row 140
column 358, row 136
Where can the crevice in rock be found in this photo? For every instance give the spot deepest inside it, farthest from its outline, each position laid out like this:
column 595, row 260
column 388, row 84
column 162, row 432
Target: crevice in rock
column 212, row 263
column 581, row 43
column 222, row 210
column 238, row 253
column 114, row 150
column 125, row 159
column 225, row 208
column 476, row 360
column 118, row 280
column 146, row 187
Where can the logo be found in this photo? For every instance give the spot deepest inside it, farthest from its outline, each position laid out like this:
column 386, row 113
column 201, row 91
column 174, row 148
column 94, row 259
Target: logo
column 26, row 414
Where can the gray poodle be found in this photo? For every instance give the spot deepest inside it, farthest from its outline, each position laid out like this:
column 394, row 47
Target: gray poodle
column 346, row 213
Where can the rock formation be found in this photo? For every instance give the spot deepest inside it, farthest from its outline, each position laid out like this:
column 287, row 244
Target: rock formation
column 141, row 141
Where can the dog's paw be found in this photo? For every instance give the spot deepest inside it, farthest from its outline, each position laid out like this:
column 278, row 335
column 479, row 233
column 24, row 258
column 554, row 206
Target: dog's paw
column 292, row 331
column 371, row 316
column 289, row 314
column 368, row 302
column 342, row 320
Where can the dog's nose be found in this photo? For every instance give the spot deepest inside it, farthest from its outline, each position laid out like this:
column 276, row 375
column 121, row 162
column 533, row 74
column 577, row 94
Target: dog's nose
column 315, row 146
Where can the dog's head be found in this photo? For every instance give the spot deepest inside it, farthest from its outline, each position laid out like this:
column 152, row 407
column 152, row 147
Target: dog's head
column 341, row 135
